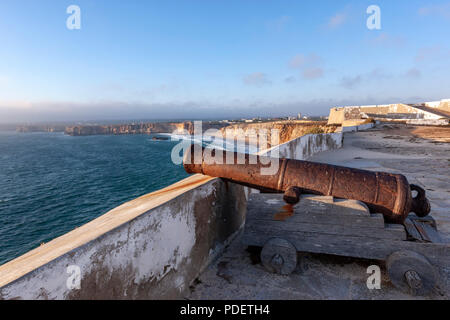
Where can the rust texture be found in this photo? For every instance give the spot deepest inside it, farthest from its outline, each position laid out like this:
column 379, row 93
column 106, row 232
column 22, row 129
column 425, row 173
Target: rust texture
column 386, row 193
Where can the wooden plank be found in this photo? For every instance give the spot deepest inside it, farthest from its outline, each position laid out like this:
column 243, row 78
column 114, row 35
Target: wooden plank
column 427, row 231
column 311, row 209
column 310, row 204
column 412, row 231
column 271, row 227
column 429, row 219
column 374, row 221
column 397, row 230
column 369, row 248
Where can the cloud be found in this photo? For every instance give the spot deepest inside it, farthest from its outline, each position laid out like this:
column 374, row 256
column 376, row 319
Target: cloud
column 438, row 10
column 312, row 73
column 15, row 105
column 301, row 60
column 425, row 53
column 413, row 73
column 256, row 79
column 350, row 82
column 58, row 111
column 432, row 53
column 290, row 79
column 309, row 66
column 71, row 112
column 385, row 39
column 297, row 61
column 377, row 75
column 337, row 20
column 279, row 23
column 155, row 90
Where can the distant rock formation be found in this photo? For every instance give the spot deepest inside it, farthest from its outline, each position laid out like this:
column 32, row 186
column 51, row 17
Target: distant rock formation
column 287, row 130
column 40, row 128
column 140, row 128
column 160, row 138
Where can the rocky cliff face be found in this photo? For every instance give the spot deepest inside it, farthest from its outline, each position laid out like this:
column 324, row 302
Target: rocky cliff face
column 287, row 130
column 40, row 128
column 140, row 128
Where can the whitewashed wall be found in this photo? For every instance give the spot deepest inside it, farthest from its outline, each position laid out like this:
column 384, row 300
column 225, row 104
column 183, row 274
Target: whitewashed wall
column 304, row 147
column 153, row 256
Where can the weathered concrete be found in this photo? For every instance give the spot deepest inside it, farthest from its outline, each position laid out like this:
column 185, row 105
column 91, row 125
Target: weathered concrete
column 442, row 105
column 430, row 122
column 149, row 248
column 360, row 127
column 305, row 146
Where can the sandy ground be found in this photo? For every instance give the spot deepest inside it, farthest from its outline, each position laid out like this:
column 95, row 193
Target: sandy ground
column 437, row 134
column 420, row 153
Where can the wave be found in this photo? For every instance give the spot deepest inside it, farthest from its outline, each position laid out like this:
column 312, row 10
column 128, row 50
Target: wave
column 216, row 143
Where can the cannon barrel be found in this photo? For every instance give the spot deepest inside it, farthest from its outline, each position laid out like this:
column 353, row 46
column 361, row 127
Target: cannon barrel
column 386, row 193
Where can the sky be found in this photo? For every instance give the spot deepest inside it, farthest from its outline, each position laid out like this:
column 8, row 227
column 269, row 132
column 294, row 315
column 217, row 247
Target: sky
column 202, row 59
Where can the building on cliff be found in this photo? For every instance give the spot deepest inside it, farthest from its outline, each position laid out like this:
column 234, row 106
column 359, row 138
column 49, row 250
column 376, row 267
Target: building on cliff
column 427, row 113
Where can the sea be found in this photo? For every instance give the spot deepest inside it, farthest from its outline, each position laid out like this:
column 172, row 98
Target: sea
column 52, row 183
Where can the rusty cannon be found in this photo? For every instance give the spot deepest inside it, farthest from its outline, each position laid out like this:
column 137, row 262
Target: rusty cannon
column 385, row 193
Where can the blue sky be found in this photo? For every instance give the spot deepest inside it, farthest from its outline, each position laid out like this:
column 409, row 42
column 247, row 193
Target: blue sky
column 217, row 59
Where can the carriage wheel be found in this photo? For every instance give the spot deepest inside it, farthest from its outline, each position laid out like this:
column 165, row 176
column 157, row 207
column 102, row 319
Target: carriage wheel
column 411, row 272
column 279, row 256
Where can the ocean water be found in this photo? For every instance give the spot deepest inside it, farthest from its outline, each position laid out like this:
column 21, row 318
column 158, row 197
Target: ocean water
column 51, row 183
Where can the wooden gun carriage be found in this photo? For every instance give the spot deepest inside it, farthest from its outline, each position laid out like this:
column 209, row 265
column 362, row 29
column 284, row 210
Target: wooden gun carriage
column 318, row 224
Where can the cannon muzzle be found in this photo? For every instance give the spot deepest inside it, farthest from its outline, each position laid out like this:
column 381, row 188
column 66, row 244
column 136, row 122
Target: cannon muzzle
column 386, row 193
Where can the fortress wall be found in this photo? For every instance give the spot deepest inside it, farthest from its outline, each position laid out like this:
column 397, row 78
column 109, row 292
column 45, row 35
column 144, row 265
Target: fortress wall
column 442, row 105
column 304, row 147
column 445, row 105
column 336, row 116
column 360, row 127
column 396, row 111
column 150, row 248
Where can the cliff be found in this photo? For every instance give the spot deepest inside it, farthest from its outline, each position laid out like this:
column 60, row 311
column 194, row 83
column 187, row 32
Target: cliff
column 40, row 128
column 140, row 128
column 288, row 130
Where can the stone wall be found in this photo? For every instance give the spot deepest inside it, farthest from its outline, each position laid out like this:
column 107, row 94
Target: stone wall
column 150, row 248
column 389, row 112
column 360, row 127
column 304, row 147
column 442, row 105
